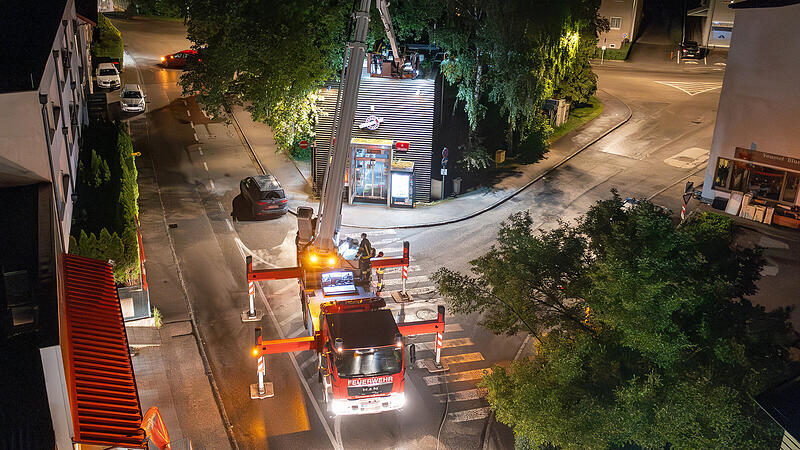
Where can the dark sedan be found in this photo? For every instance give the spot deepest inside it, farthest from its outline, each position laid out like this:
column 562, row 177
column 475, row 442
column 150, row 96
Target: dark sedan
column 690, row 49
column 264, row 195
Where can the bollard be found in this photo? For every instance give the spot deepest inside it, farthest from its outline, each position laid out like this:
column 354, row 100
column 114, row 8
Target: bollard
column 251, row 315
column 438, row 360
column 435, row 365
column 405, row 277
column 261, row 389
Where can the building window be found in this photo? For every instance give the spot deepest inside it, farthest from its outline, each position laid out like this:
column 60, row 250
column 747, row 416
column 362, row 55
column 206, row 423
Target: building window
column 790, row 189
column 739, row 176
column 723, row 171
column 616, row 23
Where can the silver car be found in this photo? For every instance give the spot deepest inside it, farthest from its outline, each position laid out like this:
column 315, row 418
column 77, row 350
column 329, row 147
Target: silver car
column 131, row 99
column 107, row 76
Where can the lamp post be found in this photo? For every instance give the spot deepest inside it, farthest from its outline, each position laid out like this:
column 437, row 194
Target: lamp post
column 603, row 55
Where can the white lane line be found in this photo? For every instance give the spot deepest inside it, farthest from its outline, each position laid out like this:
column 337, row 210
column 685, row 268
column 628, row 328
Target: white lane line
column 205, row 165
column 200, row 150
column 457, row 377
column 221, row 208
column 192, row 124
column 292, row 317
column 195, row 137
column 334, row 443
column 246, row 251
column 463, row 358
column 468, row 415
column 230, row 225
column 213, row 186
column 187, row 113
column 462, row 396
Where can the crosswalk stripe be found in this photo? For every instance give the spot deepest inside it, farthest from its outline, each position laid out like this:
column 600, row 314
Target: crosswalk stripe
column 311, row 359
column 413, row 291
column 470, row 414
column 452, row 327
column 463, row 358
column 398, row 270
column 377, row 244
column 467, row 375
column 446, row 343
column 394, row 281
column 292, row 317
column 462, row 396
column 296, row 333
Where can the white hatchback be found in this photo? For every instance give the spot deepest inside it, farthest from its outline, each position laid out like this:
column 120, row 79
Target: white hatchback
column 131, row 99
column 107, row 76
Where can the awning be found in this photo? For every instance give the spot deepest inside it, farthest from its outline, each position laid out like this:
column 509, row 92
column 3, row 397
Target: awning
column 103, row 397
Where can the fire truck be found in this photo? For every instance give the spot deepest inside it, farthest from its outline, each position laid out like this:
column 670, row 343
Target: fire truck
column 361, row 349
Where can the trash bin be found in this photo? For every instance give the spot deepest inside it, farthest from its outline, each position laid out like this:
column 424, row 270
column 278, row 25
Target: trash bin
column 456, row 186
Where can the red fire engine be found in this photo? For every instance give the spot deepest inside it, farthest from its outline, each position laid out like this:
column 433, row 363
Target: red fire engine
column 362, row 356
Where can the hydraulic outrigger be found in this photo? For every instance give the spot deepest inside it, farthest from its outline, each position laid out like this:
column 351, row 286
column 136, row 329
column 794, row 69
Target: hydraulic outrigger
column 361, row 349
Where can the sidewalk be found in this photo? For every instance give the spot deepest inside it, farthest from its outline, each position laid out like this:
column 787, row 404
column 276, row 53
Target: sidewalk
column 363, row 215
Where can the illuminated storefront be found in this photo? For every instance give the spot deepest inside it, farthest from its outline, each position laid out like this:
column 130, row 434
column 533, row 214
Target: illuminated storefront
column 376, row 174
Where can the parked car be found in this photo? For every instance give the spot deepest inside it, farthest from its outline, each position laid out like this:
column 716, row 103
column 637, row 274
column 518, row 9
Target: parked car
column 265, row 196
column 690, row 49
column 107, row 76
column 180, row 59
column 131, row 99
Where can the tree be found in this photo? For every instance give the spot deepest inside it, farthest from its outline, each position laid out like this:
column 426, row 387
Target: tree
column 644, row 331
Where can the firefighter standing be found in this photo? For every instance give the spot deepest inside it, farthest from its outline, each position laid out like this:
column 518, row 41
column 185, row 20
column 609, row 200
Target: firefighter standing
column 379, row 273
column 364, row 255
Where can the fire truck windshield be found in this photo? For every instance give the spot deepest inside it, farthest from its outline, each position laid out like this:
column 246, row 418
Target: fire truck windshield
column 369, row 362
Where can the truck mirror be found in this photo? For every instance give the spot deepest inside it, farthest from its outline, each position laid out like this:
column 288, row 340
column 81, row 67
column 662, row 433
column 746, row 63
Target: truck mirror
column 412, row 353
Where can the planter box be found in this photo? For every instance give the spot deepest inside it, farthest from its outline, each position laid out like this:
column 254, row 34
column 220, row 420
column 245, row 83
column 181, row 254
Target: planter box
column 785, row 221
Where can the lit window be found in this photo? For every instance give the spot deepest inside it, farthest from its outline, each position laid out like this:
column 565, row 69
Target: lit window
column 723, row 170
column 616, row 23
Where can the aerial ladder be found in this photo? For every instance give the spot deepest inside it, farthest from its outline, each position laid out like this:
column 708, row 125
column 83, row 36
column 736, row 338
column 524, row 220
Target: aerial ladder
column 362, row 353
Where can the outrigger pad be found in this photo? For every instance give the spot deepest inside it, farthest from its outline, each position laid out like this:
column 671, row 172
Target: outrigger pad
column 268, row 391
column 400, row 298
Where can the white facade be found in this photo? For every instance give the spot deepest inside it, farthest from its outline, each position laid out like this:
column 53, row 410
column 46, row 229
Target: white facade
column 624, row 17
column 755, row 144
column 40, row 128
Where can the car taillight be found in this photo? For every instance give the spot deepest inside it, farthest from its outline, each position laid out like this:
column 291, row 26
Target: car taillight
column 262, row 202
column 284, row 201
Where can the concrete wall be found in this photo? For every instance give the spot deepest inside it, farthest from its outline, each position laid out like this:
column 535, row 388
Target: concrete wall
column 760, row 99
column 44, row 124
column 630, row 12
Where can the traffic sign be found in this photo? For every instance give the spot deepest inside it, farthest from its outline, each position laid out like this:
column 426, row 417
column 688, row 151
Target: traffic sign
column 304, row 144
column 444, row 162
column 444, row 152
column 444, row 172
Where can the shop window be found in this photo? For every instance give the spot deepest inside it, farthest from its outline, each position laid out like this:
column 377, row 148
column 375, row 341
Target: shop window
column 616, row 23
column 790, row 189
column 739, row 176
column 723, row 172
column 766, row 182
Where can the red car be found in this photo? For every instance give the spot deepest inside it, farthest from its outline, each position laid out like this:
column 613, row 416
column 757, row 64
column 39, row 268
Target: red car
column 179, row 60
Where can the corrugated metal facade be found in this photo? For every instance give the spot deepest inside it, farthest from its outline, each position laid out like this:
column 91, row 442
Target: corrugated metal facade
column 406, row 107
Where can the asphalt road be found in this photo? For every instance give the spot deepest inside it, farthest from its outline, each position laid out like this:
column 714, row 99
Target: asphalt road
column 198, row 164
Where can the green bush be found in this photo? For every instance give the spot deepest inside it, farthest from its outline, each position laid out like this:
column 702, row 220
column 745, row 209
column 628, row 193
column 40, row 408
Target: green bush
column 614, row 53
column 108, row 196
column 107, row 40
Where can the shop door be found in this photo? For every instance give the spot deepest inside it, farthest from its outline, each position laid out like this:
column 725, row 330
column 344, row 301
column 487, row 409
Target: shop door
column 371, row 174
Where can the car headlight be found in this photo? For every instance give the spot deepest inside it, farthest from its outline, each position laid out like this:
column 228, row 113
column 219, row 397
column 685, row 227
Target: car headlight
column 339, row 406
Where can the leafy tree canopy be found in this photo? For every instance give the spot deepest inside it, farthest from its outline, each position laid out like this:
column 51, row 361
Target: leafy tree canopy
column 644, row 333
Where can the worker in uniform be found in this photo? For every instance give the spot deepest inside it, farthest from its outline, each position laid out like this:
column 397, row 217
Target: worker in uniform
column 379, row 271
column 365, row 254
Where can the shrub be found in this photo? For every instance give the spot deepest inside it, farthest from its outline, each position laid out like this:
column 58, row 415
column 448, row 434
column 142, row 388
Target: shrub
column 107, row 40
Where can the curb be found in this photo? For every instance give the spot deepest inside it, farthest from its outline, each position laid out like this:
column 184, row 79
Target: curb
column 480, row 211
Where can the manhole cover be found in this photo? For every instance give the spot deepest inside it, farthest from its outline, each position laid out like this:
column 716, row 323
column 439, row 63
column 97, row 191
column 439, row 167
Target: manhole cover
column 426, row 314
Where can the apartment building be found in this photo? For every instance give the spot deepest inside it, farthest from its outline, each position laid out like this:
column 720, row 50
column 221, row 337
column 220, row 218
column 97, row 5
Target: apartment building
column 624, row 18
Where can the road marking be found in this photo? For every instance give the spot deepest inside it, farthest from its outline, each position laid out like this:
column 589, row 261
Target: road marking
column 690, row 62
column 213, row 186
column 246, row 251
column 187, row 113
column 413, row 291
column 205, row 165
column 410, row 280
column 452, row 327
column 200, row 150
column 468, row 415
column 221, row 208
column 296, row 333
column 398, row 270
column 285, row 288
column 446, row 343
column 230, row 225
column 195, row 137
column 462, row 396
column 192, row 124
column 292, row 317
column 692, row 87
column 463, row 358
column 377, row 244
column 457, row 377
column 310, row 360
column 688, row 159
column 720, row 64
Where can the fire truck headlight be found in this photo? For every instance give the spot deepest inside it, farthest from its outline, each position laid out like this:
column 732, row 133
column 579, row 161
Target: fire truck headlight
column 339, row 406
column 332, row 261
column 313, row 258
column 255, row 352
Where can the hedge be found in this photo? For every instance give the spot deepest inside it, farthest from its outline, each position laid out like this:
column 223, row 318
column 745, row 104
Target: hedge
column 614, row 53
column 107, row 40
column 105, row 214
